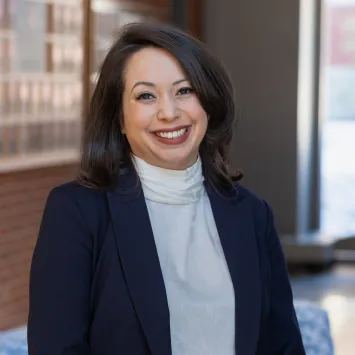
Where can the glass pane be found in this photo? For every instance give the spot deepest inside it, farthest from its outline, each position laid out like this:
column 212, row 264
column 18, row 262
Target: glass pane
column 41, row 54
column 338, row 114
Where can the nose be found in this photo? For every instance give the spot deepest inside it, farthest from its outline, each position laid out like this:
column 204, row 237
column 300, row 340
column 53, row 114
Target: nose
column 168, row 109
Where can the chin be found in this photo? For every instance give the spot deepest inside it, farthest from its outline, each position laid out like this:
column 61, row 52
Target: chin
column 178, row 161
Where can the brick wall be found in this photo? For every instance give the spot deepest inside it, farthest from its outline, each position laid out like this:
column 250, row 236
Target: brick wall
column 22, row 198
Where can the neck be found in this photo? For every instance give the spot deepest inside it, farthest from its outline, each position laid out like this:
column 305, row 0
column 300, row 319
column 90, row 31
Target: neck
column 168, row 185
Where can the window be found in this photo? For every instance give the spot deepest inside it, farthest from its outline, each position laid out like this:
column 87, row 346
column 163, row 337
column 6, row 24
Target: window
column 41, row 53
column 338, row 118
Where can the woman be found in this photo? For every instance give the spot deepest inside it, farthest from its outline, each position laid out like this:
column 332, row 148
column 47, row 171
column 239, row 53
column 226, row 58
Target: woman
column 154, row 249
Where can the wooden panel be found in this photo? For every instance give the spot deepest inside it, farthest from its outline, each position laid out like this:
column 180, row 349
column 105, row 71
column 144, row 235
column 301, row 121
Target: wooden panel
column 195, row 12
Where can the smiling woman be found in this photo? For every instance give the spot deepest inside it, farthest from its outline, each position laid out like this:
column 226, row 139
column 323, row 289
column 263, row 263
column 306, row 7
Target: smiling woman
column 154, row 250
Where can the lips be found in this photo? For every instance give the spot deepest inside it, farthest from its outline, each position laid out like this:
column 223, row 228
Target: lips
column 174, row 136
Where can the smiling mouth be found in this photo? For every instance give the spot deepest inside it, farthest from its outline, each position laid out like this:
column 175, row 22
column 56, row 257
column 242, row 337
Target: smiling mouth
column 173, row 134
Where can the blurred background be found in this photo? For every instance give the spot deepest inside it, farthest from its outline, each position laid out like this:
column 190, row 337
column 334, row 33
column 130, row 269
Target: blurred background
column 293, row 66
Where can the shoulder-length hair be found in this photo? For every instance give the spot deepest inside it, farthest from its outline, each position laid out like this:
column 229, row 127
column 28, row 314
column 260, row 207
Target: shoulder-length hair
column 106, row 149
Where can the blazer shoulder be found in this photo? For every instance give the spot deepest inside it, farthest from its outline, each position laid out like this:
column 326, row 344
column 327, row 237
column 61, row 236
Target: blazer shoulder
column 261, row 210
column 90, row 202
column 77, row 191
column 246, row 194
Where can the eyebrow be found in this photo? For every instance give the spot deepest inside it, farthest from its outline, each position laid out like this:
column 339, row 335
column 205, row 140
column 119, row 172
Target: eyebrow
column 147, row 83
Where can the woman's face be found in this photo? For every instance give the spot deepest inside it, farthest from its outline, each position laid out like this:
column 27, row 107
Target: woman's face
column 164, row 121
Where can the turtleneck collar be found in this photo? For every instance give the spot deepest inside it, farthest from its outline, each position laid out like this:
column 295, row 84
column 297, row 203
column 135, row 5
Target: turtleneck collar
column 174, row 187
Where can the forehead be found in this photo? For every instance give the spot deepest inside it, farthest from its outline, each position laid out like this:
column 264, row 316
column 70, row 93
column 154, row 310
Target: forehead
column 154, row 65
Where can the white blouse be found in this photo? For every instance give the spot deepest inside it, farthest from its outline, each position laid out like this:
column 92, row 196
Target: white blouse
column 198, row 284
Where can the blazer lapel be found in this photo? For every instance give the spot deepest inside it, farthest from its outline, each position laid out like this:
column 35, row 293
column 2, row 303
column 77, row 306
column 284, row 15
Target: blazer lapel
column 140, row 262
column 234, row 221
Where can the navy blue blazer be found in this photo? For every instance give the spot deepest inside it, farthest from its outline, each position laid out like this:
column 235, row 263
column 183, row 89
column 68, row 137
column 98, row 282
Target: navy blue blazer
column 96, row 287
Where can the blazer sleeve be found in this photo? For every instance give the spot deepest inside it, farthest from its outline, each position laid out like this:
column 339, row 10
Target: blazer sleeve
column 282, row 334
column 60, row 280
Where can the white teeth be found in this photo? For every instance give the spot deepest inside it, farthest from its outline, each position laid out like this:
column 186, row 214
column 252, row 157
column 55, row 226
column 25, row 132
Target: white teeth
column 172, row 135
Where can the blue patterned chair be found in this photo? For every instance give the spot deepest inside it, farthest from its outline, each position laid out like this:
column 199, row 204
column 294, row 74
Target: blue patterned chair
column 313, row 321
column 315, row 329
column 14, row 342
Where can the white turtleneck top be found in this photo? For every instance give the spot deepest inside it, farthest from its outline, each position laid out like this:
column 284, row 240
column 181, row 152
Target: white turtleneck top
column 197, row 281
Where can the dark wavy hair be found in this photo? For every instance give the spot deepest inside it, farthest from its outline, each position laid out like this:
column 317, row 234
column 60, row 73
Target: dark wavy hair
column 106, row 149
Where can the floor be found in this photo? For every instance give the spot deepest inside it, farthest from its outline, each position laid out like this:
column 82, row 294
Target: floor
column 335, row 291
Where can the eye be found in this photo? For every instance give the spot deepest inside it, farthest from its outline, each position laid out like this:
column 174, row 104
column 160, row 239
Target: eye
column 185, row 91
column 145, row 96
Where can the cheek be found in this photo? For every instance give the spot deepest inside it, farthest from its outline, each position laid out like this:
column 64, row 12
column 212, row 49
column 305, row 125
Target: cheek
column 196, row 112
column 136, row 117
column 199, row 116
